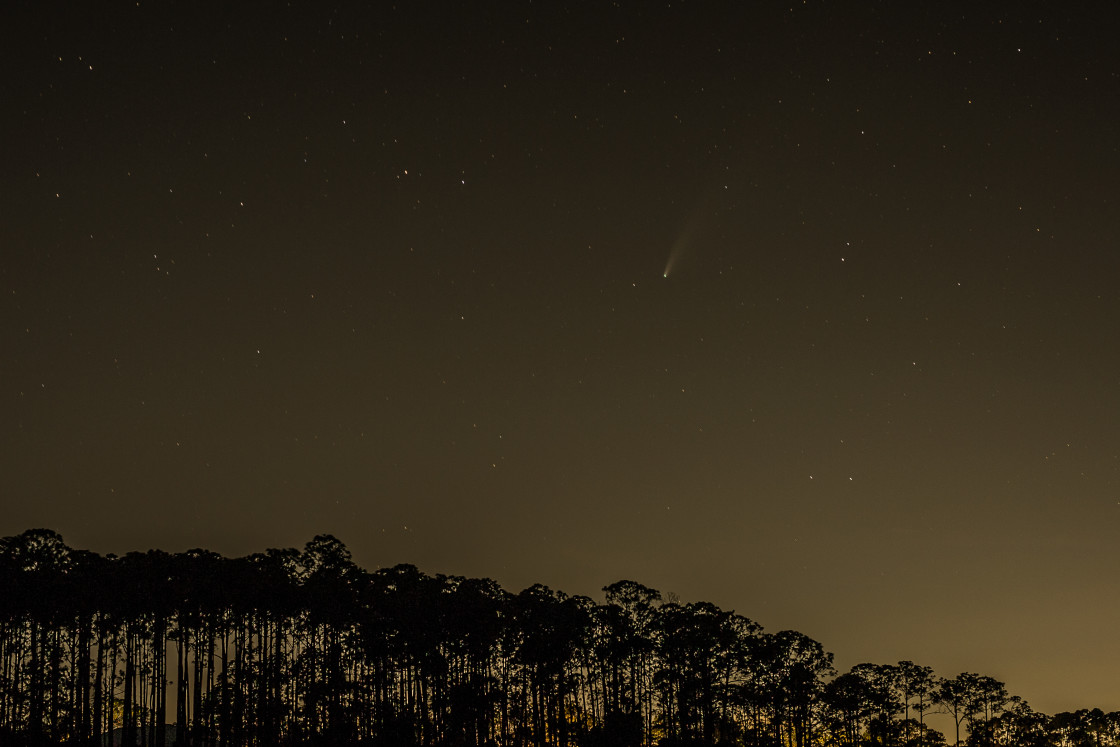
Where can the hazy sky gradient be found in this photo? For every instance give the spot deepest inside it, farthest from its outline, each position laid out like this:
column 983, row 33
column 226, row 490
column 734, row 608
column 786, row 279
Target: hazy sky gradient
column 397, row 275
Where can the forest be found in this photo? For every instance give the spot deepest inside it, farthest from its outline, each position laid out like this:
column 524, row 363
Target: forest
column 303, row 647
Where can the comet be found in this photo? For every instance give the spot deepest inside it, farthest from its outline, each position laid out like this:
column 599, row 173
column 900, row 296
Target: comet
column 690, row 233
column 675, row 253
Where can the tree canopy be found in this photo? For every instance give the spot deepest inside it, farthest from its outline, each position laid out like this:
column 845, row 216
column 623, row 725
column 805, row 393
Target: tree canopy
column 303, row 647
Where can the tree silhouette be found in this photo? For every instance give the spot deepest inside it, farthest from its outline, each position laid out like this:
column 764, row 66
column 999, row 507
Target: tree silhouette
column 916, row 685
column 302, row 647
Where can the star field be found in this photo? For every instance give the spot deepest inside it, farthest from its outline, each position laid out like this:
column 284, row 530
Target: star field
column 805, row 309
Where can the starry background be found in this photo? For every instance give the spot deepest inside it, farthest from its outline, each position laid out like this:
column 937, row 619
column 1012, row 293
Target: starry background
column 805, row 309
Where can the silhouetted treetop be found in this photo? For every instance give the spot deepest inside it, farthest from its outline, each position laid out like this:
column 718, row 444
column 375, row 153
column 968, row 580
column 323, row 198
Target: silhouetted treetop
column 289, row 647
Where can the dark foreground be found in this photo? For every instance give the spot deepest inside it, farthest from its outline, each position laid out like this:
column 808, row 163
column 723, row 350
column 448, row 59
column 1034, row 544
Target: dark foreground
column 302, row 647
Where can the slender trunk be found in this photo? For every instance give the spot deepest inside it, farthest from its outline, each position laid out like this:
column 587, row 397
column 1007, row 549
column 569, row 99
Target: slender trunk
column 197, row 721
column 236, row 711
column 35, row 694
column 224, row 693
column 211, row 644
column 110, row 721
column 128, row 736
column 98, row 683
column 182, row 643
column 85, row 643
column 55, row 680
column 276, row 696
column 159, row 682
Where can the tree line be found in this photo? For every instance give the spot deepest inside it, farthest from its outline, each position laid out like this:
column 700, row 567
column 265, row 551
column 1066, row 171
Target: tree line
column 303, row 647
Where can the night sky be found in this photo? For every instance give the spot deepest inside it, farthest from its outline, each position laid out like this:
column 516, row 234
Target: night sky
column 806, row 309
